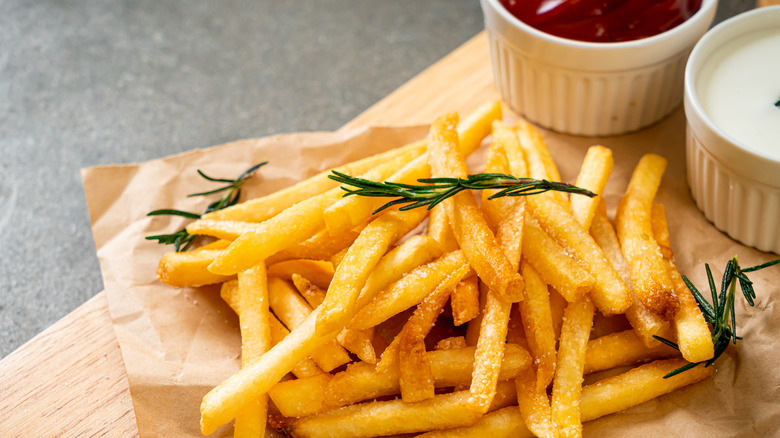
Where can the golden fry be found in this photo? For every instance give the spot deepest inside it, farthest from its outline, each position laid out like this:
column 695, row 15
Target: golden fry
column 693, row 333
column 188, row 269
column 646, row 323
column 621, row 349
column 567, row 385
column 255, row 340
column 465, row 301
column 649, row 272
column 538, row 325
column 596, row 168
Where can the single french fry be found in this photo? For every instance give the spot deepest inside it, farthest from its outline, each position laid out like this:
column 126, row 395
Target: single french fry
column 465, row 301
column 621, row 349
column 538, row 325
column 222, row 403
column 595, row 170
column 637, row 386
column 300, row 397
column 490, row 351
column 693, row 333
column 408, row 291
column 322, row 246
column 340, row 304
column 276, row 234
column 306, row 367
column 649, row 272
column 474, row 236
column 319, row 272
column 606, row 397
column 646, row 323
column 553, row 262
column 263, row 208
column 255, row 340
column 567, row 385
column 357, row 342
column 352, row 210
column 292, row 310
column 188, row 269
column 534, row 405
column 609, row 292
column 416, row 376
column 439, row 229
column 394, row 417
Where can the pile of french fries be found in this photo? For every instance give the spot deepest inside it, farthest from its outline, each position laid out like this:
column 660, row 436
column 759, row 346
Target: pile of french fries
column 483, row 324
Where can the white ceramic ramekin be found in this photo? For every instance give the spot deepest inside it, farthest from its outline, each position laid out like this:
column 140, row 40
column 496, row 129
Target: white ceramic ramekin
column 591, row 89
column 737, row 188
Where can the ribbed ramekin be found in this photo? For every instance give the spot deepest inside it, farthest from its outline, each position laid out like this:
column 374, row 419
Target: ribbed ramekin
column 591, row 89
column 737, row 188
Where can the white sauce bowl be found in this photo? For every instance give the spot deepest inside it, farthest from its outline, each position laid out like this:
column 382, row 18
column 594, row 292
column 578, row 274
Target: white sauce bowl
column 735, row 184
column 585, row 88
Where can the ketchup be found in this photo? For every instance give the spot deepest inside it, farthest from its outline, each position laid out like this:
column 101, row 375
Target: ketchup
column 602, row 21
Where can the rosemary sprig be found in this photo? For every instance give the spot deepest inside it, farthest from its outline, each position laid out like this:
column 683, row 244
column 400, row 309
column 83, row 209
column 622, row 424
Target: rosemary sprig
column 435, row 190
column 182, row 240
column 720, row 314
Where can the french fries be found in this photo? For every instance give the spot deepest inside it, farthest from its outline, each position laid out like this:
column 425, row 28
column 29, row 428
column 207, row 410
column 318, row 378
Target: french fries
column 313, row 276
column 471, row 231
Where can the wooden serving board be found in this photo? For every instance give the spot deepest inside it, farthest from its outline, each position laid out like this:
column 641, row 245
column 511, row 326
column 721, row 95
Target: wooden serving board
column 70, row 380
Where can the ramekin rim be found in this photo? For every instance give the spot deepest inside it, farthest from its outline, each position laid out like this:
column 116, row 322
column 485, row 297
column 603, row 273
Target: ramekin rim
column 700, row 14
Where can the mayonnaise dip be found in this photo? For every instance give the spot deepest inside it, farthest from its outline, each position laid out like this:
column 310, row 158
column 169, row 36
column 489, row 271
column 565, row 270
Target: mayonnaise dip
column 739, row 87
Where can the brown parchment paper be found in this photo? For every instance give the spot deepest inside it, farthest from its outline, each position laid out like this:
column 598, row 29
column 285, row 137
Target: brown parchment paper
column 179, row 343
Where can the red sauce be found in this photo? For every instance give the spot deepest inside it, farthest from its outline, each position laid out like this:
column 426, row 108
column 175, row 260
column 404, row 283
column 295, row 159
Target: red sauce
column 602, row 21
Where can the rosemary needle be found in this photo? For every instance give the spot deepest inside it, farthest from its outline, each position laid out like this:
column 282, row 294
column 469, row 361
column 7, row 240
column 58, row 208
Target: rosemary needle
column 720, row 314
column 182, row 240
column 432, row 191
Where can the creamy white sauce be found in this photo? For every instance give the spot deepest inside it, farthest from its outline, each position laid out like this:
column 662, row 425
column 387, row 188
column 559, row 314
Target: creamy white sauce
column 739, row 86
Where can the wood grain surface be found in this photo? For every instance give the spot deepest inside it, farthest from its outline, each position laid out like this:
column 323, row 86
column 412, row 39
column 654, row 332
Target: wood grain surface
column 70, row 380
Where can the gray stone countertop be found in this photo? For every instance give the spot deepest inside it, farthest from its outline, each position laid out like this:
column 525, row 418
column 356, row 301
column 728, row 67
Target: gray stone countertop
column 89, row 83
